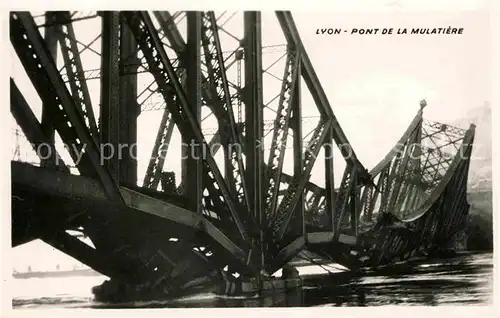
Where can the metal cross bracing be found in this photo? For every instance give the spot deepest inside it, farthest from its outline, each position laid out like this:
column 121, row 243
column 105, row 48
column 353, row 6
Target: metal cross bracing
column 240, row 210
column 65, row 113
column 411, row 167
column 406, row 210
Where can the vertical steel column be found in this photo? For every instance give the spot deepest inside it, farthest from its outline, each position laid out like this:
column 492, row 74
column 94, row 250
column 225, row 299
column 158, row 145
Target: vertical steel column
column 254, row 116
column 192, row 162
column 129, row 107
column 329, row 179
column 110, row 87
column 296, row 125
column 355, row 204
column 47, row 126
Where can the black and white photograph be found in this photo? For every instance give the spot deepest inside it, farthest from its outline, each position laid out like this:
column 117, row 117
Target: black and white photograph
column 249, row 158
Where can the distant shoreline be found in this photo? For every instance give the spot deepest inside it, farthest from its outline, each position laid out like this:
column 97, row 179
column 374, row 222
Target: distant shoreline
column 67, row 273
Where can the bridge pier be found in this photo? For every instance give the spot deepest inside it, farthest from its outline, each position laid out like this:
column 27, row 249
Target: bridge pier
column 114, row 290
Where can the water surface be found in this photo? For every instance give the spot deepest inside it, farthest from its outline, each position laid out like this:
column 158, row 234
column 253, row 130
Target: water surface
column 463, row 280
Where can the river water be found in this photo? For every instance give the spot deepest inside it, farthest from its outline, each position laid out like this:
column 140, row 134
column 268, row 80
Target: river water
column 463, row 280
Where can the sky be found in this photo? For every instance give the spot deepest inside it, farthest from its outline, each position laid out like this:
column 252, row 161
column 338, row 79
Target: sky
column 374, row 82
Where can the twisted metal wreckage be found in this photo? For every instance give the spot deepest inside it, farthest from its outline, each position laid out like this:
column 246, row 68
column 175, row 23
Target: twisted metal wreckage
column 232, row 223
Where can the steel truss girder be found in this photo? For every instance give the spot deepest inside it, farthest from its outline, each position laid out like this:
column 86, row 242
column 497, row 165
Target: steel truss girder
column 281, row 128
column 38, row 63
column 31, row 127
column 169, row 28
column 75, row 73
column 160, row 149
column 401, row 172
column 465, row 149
column 178, row 44
column 450, row 129
column 433, row 172
column 63, row 20
column 309, row 187
column 160, row 66
column 72, row 246
column 344, row 196
column 55, row 183
column 369, row 191
column 50, row 38
column 165, row 130
column 394, row 174
column 176, row 41
column 316, row 90
column 219, row 91
column 214, row 144
column 171, row 32
column 162, row 143
column 295, row 189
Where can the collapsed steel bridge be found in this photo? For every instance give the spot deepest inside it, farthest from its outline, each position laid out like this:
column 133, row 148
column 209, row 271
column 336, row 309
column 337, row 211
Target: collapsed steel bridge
column 227, row 221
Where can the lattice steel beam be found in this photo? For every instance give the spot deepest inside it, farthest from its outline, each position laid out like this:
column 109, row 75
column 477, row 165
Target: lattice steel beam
column 344, row 195
column 316, row 90
column 38, row 63
column 295, row 189
column 219, row 90
column 169, row 28
column 75, row 73
column 63, row 20
column 159, row 153
column 28, row 122
column 168, row 82
column 280, row 132
column 50, row 38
